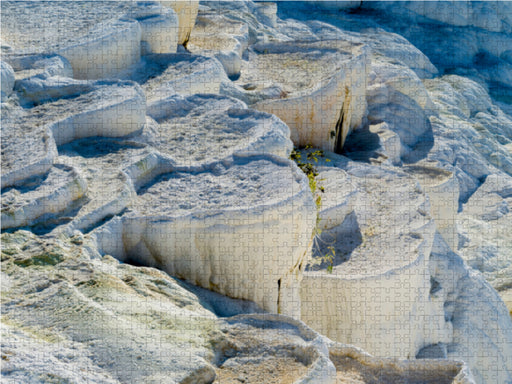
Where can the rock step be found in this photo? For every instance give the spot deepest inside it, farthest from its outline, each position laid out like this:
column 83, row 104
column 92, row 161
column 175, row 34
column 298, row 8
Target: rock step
column 381, row 251
column 201, row 129
column 322, row 88
column 166, row 74
column 216, row 228
column 42, row 200
column 18, row 139
column 110, row 190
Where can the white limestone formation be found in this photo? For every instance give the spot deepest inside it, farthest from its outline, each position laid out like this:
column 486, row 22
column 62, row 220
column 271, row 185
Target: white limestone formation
column 381, row 251
column 72, row 289
column 159, row 27
column 161, row 76
column 110, row 190
column 111, row 109
column 187, row 14
column 485, row 223
column 266, row 12
column 20, row 139
column 41, row 88
column 201, row 129
column 471, row 304
column 28, row 65
column 56, row 192
column 273, row 348
column 221, row 37
column 397, row 96
column 442, row 189
column 115, row 46
column 91, row 36
column 198, row 185
column 6, row 79
column 322, row 88
column 99, row 39
column 221, row 241
column 353, row 365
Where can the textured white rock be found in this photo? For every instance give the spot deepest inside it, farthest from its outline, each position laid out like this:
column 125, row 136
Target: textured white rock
column 471, row 305
column 163, row 75
column 197, row 130
column 71, row 291
column 442, row 189
column 45, row 65
column 110, row 190
column 187, row 13
column 159, row 27
column 116, row 47
column 323, row 88
column 221, row 241
column 397, row 97
column 485, row 223
column 262, row 341
column 222, row 37
column 111, row 109
column 18, row 139
column 91, row 36
column 389, row 141
column 355, row 366
column 471, row 139
column 54, row 194
column 267, row 13
column 41, row 88
column 382, row 250
column 6, row 79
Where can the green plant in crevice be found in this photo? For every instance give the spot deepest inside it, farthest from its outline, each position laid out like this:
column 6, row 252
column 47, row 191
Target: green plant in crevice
column 308, row 167
column 329, row 258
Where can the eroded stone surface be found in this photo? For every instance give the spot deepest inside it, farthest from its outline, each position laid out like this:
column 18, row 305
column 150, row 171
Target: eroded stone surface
column 163, row 75
column 18, row 139
column 271, row 197
column 223, row 208
column 354, row 366
column 320, row 84
column 222, row 37
column 7, row 79
column 379, row 244
column 72, row 287
column 43, row 198
column 187, row 13
column 197, row 130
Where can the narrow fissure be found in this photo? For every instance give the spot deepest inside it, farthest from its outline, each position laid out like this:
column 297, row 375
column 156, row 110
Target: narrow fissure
column 338, row 144
column 279, row 296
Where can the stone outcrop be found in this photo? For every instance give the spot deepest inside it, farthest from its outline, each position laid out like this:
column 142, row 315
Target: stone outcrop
column 207, row 241
column 7, row 79
column 163, row 75
column 55, row 193
column 187, row 14
column 227, row 46
column 158, row 27
column 359, row 287
column 99, row 39
column 159, row 133
column 321, row 85
column 17, row 139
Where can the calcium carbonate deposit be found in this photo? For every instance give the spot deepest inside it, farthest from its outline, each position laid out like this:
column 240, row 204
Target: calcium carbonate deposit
column 256, row 192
